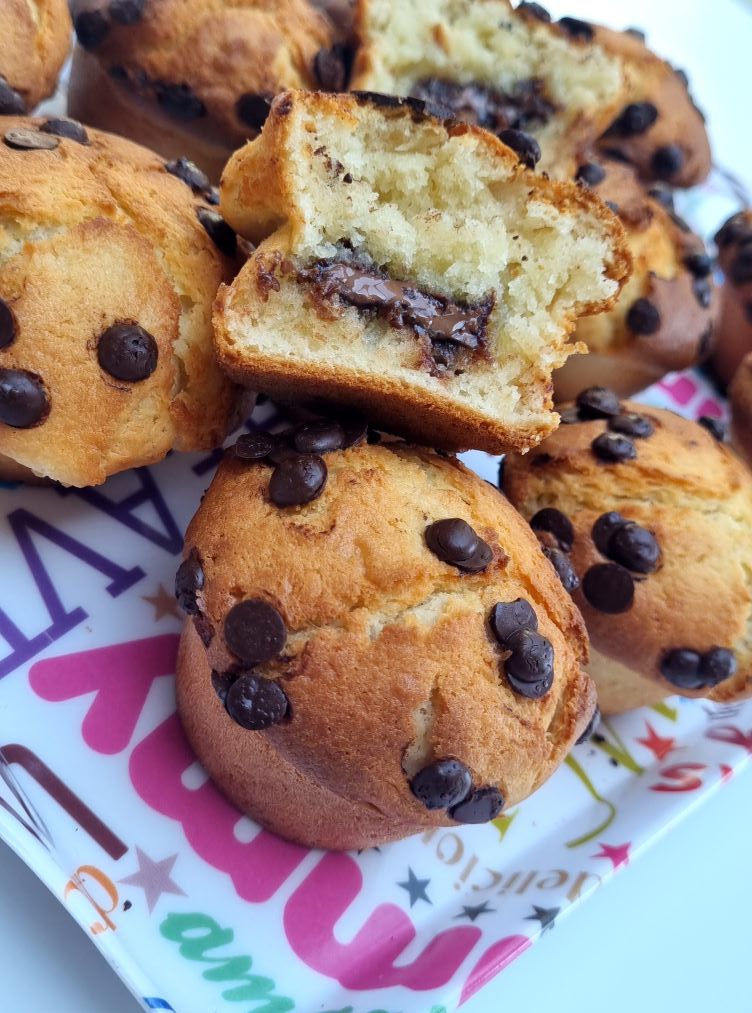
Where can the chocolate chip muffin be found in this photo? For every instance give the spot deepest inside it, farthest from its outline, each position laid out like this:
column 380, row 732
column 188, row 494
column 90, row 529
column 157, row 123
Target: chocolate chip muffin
column 653, row 514
column 740, row 394
column 666, row 314
column 734, row 242
column 35, row 38
column 572, row 84
column 192, row 78
column 376, row 644
column 413, row 269
column 109, row 262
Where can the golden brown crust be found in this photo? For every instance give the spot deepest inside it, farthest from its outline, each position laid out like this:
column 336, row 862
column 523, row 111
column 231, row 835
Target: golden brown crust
column 217, row 52
column 92, row 235
column 377, row 628
column 735, row 329
column 695, row 496
column 679, row 122
column 35, row 41
column 689, row 306
column 740, row 394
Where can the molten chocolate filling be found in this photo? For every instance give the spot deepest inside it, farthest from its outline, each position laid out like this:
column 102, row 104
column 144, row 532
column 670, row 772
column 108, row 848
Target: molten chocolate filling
column 524, row 106
column 451, row 327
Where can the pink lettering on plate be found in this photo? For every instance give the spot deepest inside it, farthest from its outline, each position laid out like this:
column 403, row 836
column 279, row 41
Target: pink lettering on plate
column 368, row 961
column 120, row 675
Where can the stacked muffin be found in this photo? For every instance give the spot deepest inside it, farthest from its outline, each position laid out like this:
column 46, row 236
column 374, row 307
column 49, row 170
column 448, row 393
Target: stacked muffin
column 377, row 641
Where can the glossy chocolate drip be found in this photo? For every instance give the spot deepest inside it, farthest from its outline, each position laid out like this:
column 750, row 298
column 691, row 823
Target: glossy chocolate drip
column 432, row 316
column 524, row 106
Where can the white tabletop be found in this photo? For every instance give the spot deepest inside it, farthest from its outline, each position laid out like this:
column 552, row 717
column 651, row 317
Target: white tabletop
column 672, row 931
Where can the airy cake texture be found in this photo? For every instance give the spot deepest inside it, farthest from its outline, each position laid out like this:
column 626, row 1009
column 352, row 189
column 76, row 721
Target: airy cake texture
column 568, row 82
column 348, row 195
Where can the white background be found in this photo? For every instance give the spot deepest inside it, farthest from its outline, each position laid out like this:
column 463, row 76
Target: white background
column 672, row 931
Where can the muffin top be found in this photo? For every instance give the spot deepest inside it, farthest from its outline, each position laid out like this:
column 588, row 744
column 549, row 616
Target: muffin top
column 109, row 262
column 657, row 514
column 36, row 39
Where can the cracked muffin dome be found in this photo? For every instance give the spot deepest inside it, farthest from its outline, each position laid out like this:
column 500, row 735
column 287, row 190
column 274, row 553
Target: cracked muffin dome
column 666, row 314
column 193, row 78
column 410, row 268
column 35, row 41
column 109, row 263
column 653, row 513
column 376, row 645
column 734, row 241
column 572, row 84
column 740, row 394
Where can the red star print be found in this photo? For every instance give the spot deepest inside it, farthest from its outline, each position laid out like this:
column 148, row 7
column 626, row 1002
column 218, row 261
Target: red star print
column 726, row 772
column 617, row 854
column 658, row 746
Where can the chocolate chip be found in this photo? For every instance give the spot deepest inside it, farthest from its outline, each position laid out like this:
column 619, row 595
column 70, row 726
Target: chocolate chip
column 736, row 229
column 23, row 399
column 91, row 27
column 535, row 10
column 221, row 683
column 568, row 416
column 636, row 33
column 330, row 68
column 127, row 352
column 609, row 588
column 442, row 784
column 283, row 448
column 563, row 566
column 8, row 325
column 632, row 424
column 590, row 173
column 705, row 343
column 613, row 447
column 297, row 479
column 716, row 427
column 643, row 317
column 11, row 102
column 256, row 703
column 717, row 664
column 682, row 75
column 634, row 119
column 740, row 271
column 218, row 231
column 613, row 206
column 254, row 446
column 591, row 726
column 597, row 403
column 663, row 195
column 508, row 617
column 189, row 173
column 189, row 580
column 455, row 542
column 27, row 139
column 319, row 437
column 530, row 667
column 556, row 523
column 127, row 12
column 253, row 109
column 604, row 529
column 703, row 292
column 699, row 264
column 481, row 806
column 524, row 145
column 356, row 429
column 667, row 161
column 254, row 631
column 681, row 667
column 179, row 101
column 634, row 547
column 577, row 29
column 211, row 196
column 72, row 130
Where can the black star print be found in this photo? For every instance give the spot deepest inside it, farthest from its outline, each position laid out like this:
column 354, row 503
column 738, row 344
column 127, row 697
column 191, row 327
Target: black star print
column 468, row 911
column 545, row 915
column 416, row 887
